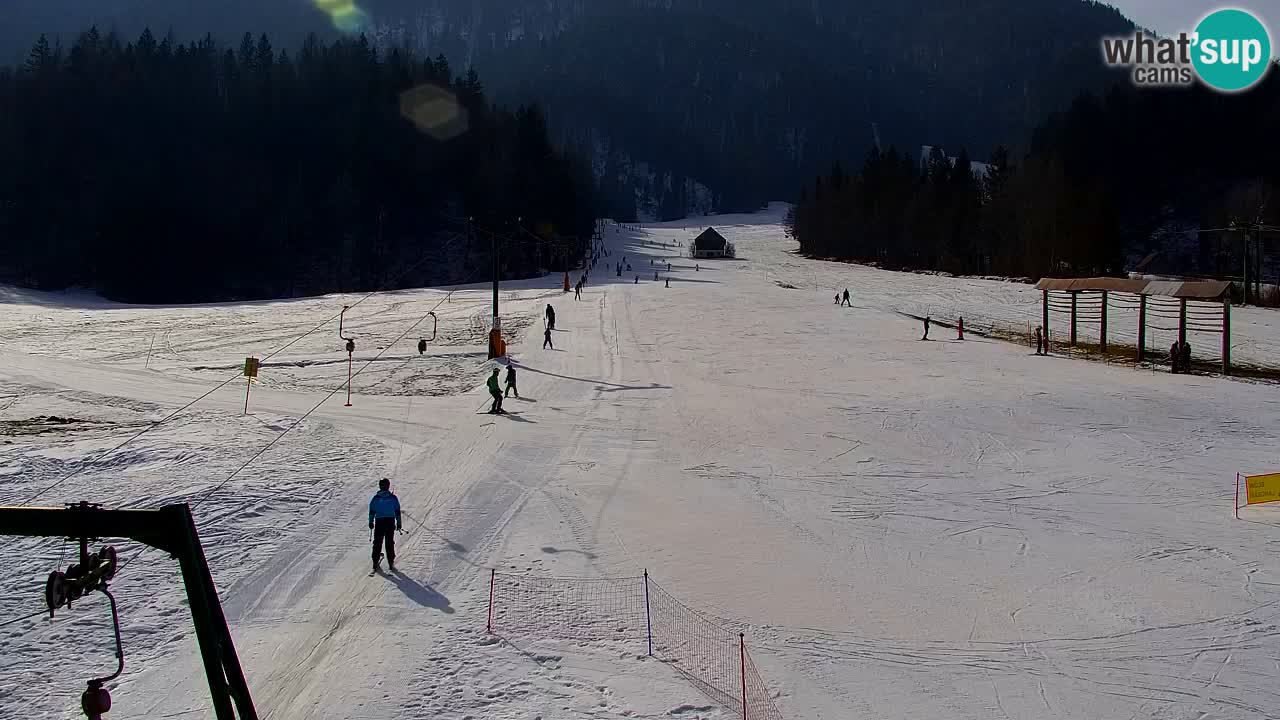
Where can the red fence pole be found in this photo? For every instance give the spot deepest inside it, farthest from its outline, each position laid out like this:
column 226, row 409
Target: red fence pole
column 742, row 654
column 492, row 575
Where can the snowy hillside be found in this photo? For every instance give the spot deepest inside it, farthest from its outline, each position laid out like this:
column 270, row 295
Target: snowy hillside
column 900, row 529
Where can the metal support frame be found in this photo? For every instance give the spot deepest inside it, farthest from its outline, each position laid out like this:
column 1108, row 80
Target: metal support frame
column 173, row 530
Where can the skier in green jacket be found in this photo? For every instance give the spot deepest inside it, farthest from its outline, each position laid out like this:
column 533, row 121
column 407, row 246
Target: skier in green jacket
column 496, row 408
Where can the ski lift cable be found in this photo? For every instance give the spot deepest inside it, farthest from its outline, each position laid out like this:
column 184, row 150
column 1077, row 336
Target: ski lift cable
column 97, row 458
column 299, row 421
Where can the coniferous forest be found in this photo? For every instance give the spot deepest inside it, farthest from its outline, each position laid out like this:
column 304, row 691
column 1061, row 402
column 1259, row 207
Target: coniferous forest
column 155, row 171
column 1107, row 176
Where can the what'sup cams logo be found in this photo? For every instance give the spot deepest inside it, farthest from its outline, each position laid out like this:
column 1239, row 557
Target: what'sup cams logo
column 1230, row 51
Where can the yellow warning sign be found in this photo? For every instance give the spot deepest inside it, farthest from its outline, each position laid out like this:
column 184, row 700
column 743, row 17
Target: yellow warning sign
column 1261, row 489
column 251, row 367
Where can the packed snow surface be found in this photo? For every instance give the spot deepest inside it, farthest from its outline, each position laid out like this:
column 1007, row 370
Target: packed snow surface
column 902, row 529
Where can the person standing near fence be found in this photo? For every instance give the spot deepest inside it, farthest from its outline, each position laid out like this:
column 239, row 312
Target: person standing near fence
column 384, row 521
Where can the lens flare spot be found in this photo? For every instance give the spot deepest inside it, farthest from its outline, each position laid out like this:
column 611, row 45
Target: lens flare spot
column 344, row 14
column 434, row 111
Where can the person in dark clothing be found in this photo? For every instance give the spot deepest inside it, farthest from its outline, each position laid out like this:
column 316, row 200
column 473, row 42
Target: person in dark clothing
column 1185, row 357
column 577, row 291
column 496, row 392
column 551, row 317
column 384, row 521
column 846, row 299
column 837, row 302
column 926, row 329
column 511, row 382
column 546, row 340
column 637, row 280
column 422, row 346
column 1175, row 358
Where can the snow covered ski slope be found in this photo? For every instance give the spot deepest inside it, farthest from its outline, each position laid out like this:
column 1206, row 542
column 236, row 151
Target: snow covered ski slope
column 902, row 529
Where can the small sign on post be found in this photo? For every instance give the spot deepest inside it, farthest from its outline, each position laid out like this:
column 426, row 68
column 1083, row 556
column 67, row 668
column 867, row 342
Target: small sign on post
column 251, row 365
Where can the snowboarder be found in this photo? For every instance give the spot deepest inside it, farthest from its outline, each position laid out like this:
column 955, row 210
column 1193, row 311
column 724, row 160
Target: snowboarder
column 511, row 382
column 384, row 521
column 926, row 329
column 546, row 341
column 422, row 346
column 496, row 392
column 846, row 299
column 551, row 317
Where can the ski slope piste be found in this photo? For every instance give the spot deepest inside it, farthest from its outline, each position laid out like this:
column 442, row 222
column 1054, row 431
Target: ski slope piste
column 847, row 520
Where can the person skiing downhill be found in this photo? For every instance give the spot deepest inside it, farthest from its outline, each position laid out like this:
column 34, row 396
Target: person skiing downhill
column 546, row 341
column 496, row 392
column 384, row 521
column 846, row 299
column 511, row 382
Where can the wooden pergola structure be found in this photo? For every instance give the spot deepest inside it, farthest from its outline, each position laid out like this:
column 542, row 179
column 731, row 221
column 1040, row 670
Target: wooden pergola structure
column 1203, row 306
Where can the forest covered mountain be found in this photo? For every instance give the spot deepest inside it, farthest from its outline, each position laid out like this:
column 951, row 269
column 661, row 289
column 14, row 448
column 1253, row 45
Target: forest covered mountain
column 746, row 98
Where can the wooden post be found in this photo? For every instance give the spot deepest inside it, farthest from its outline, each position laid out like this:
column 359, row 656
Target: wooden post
column 1142, row 328
column 1044, row 305
column 742, row 654
column 1074, row 293
column 1182, row 322
column 1104, row 321
column 1226, row 336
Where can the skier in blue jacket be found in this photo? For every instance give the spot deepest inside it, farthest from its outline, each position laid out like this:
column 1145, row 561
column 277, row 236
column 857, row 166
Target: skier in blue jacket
column 384, row 520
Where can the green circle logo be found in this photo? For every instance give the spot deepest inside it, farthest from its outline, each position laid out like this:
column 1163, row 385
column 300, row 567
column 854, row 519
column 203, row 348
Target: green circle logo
column 1232, row 50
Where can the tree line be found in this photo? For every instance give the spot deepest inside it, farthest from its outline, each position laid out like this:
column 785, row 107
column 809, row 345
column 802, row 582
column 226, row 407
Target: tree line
column 1108, row 181
column 156, row 171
